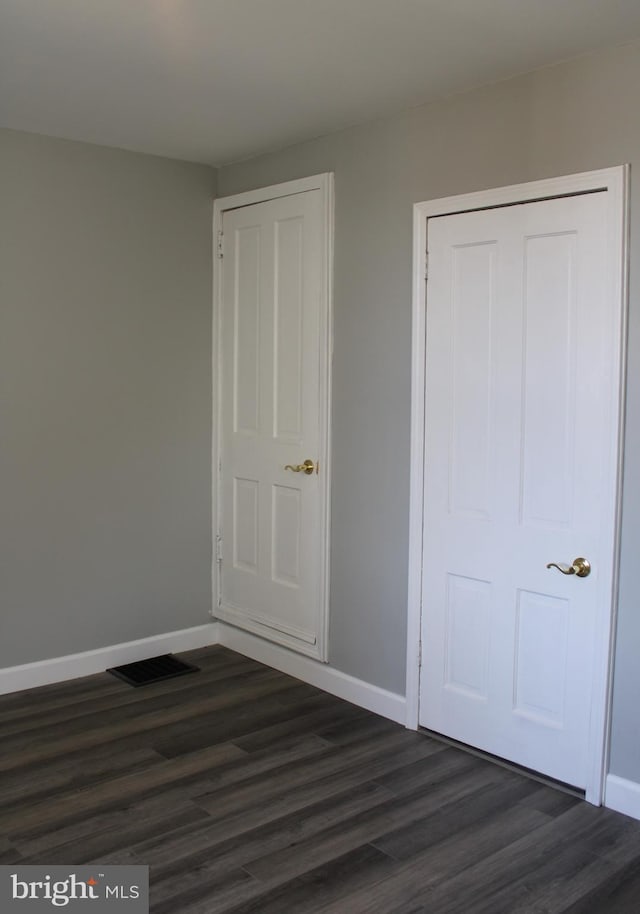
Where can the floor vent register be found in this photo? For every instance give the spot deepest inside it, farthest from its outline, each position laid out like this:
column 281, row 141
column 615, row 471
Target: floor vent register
column 144, row 672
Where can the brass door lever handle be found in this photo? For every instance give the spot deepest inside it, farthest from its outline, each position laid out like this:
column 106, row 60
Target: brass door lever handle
column 581, row 567
column 307, row 467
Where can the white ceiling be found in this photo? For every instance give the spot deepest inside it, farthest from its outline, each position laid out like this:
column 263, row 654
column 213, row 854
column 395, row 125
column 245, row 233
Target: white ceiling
column 218, row 80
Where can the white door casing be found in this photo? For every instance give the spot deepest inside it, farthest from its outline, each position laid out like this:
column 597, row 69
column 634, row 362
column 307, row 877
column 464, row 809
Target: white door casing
column 273, row 344
column 524, row 356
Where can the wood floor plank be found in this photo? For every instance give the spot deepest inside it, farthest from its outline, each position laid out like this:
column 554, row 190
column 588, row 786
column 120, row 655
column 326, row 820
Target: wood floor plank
column 617, row 894
column 490, row 889
column 100, row 734
column 372, row 826
column 209, row 896
column 137, row 707
column 307, row 893
column 124, row 857
column 342, row 733
column 174, row 738
column 126, row 700
column 18, row 705
column 197, row 884
column 312, row 716
column 505, row 878
column 412, row 881
column 42, row 782
column 187, row 850
column 9, row 856
column 558, row 883
column 317, row 832
column 334, row 771
column 182, row 780
column 37, row 816
column 313, row 890
column 456, row 817
column 40, row 843
column 247, row 791
column 8, row 853
column 108, row 834
column 30, row 703
column 265, row 711
column 552, row 801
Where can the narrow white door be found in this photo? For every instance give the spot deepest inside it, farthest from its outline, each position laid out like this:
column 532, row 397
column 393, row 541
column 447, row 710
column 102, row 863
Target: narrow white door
column 272, row 534
column 519, row 461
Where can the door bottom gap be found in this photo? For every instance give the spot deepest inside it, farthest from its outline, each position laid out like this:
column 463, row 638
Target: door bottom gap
column 510, row 766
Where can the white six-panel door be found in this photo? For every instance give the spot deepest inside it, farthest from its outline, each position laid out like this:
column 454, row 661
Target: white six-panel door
column 517, row 474
column 272, row 533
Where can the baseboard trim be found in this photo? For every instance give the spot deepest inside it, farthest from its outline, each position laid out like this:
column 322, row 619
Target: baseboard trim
column 321, row 675
column 73, row 666
column 622, row 795
column 357, row 691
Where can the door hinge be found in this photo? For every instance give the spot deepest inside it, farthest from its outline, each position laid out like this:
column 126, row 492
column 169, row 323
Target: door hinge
column 426, row 266
column 219, row 548
column 220, row 245
column 419, row 655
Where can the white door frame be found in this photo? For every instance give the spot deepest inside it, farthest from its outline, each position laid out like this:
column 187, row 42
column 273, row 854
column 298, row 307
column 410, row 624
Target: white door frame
column 615, row 181
column 323, row 183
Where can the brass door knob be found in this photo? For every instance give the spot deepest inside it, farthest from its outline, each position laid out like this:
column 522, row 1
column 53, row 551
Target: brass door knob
column 307, row 467
column 580, row 567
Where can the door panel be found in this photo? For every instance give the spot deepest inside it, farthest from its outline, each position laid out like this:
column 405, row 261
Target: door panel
column 518, row 400
column 467, row 636
column 271, row 530
column 246, row 331
column 549, row 320
column 541, row 645
column 288, row 342
column 473, row 287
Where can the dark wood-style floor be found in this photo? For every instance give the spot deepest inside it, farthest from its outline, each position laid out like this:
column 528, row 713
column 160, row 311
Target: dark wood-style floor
column 248, row 791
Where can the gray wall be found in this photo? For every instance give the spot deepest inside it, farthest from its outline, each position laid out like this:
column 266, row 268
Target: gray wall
column 574, row 117
column 105, row 404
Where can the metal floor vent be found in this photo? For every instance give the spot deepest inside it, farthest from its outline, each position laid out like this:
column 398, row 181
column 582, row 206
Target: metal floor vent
column 144, row 672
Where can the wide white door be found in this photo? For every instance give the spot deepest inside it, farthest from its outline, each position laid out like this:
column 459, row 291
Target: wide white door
column 272, row 531
column 519, row 462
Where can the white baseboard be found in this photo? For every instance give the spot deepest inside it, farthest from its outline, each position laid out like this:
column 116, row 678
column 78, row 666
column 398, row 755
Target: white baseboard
column 72, row 666
column 371, row 697
column 622, row 795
